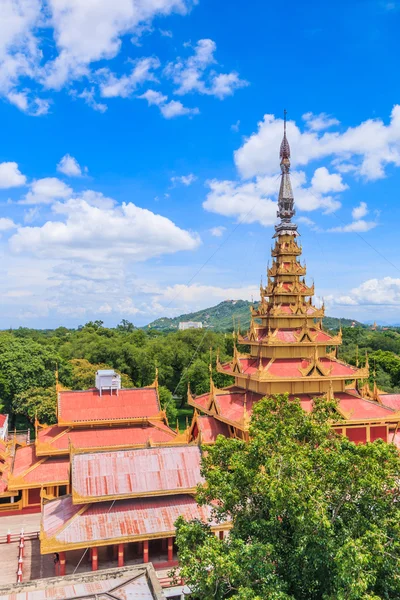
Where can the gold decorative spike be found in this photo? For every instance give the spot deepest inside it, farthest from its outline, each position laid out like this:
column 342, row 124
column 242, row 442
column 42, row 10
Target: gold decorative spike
column 330, row 395
column 177, row 425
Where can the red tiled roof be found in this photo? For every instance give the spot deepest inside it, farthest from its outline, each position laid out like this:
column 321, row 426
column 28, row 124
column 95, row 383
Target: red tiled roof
column 290, row 367
column 38, row 471
column 391, row 400
column 357, row 409
column 210, row 428
column 203, row 400
column 138, row 472
column 3, row 419
column 122, row 519
column 88, row 405
column 97, row 437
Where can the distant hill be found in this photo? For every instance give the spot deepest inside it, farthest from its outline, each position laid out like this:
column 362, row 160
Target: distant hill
column 220, row 318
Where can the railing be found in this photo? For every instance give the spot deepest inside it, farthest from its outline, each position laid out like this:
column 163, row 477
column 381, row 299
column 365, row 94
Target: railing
column 16, row 537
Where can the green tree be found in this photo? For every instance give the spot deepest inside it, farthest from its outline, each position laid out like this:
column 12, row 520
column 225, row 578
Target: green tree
column 40, row 402
column 83, row 374
column 314, row 516
column 168, row 404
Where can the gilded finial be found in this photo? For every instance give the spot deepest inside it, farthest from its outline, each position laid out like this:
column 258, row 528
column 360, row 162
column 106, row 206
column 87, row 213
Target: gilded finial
column 177, row 425
column 357, row 356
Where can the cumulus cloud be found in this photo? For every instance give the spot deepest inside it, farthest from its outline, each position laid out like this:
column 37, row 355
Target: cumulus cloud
column 46, row 191
column 112, row 86
column 367, row 147
column 82, row 34
column 193, row 74
column 255, row 201
column 218, row 231
column 360, row 211
column 69, row 166
column 319, row 122
column 196, row 296
column 184, row 179
column 7, row 224
column 92, row 232
column 11, row 176
column 381, row 292
column 355, row 227
column 170, row 109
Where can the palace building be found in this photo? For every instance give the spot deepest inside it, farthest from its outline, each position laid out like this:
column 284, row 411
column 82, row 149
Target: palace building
column 104, row 417
column 290, row 352
column 111, row 478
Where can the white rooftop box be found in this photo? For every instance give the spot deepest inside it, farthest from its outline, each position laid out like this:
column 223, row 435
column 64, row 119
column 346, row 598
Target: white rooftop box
column 108, row 379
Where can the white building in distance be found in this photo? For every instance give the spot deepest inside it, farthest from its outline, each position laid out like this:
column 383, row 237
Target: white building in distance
column 190, row 325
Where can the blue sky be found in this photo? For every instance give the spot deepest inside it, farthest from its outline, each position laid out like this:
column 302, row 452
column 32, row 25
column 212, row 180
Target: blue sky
column 139, row 151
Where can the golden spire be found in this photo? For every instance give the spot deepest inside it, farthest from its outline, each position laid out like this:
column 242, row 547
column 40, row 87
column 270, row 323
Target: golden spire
column 357, row 356
column 330, row 394
column 57, row 381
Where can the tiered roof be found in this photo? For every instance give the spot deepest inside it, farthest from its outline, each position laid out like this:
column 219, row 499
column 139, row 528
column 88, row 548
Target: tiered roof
column 291, row 352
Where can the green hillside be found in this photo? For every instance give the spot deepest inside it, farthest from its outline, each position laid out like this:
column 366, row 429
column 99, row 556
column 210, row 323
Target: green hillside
column 221, row 317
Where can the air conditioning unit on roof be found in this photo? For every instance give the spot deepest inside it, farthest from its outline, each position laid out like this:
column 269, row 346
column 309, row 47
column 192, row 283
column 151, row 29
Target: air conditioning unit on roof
column 108, row 379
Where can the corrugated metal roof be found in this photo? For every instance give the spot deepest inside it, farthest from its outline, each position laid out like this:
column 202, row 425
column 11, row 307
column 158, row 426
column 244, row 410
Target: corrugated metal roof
column 133, row 583
column 139, row 471
column 118, row 520
column 88, row 405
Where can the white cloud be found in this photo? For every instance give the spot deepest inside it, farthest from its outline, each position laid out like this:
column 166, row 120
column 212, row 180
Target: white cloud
column 369, row 147
column 325, row 182
column 6, row 224
column 384, row 292
column 10, row 175
column 169, row 110
column 218, row 231
column 360, row 211
column 86, row 33
column 78, row 34
column 46, row 191
column 166, row 33
column 92, row 233
column 248, row 202
column 235, row 127
column 319, row 122
column 112, row 86
column 69, row 166
column 255, row 201
column 184, row 179
column 355, row 227
column 88, row 95
column 193, row 74
column 196, row 296
column 309, row 222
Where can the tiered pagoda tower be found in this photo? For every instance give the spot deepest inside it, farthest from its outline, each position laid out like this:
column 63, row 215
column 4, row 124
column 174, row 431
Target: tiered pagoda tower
column 289, row 350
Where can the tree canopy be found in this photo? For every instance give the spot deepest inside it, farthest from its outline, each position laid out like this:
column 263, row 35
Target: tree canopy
column 314, row 516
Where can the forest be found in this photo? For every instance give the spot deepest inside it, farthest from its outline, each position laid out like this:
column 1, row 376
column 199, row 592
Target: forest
column 29, row 360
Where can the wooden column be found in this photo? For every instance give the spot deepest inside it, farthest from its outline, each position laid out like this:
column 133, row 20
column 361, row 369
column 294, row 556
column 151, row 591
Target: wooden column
column 170, row 549
column 95, row 559
column 146, row 551
column 120, row 555
column 62, row 563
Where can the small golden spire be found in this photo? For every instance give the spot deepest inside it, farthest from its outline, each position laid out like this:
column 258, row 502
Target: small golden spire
column 357, row 356
column 177, row 425
column 57, row 381
column 330, row 394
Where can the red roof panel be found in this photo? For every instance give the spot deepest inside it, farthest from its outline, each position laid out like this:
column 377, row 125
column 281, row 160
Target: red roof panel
column 98, row 437
column 210, row 428
column 88, row 405
column 38, row 470
column 391, row 400
column 137, row 472
column 121, row 519
column 3, row 419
